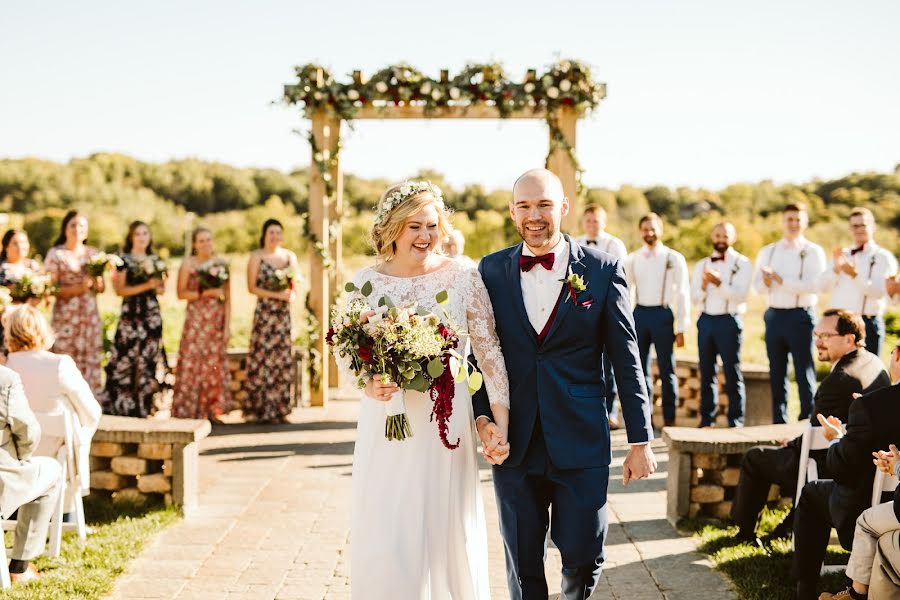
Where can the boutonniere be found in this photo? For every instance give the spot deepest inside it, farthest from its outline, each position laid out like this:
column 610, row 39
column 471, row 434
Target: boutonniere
column 802, row 253
column 575, row 284
column 669, row 264
column 735, row 268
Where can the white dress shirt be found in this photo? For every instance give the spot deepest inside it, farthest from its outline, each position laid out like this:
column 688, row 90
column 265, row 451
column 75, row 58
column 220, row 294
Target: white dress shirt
column 730, row 297
column 800, row 264
column 659, row 277
column 605, row 242
column 864, row 294
column 541, row 288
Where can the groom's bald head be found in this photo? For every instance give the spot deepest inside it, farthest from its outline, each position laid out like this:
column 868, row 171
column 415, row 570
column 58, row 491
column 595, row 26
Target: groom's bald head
column 538, row 184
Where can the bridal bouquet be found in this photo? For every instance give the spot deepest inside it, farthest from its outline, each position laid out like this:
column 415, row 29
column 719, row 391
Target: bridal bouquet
column 281, row 279
column 405, row 344
column 31, row 285
column 213, row 274
column 98, row 263
column 151, row 267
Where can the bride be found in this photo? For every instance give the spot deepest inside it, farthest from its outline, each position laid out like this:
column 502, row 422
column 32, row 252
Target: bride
column 417, row 522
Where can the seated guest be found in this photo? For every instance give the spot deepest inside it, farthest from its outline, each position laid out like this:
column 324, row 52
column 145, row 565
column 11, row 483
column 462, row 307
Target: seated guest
column 27, row 483
column 53, row 385
column 840, row 337
column 871, row 525
column 838, row 502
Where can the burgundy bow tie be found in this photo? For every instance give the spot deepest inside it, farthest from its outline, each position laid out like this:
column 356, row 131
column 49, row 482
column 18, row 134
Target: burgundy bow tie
column 526, row 263
column 857, row 250
column 716, row 258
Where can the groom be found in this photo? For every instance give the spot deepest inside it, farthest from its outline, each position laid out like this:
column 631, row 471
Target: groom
column 554, row 333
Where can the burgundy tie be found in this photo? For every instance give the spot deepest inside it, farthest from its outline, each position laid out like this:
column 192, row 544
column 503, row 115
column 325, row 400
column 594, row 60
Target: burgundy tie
column 526, row 263
column 857, row 250
column 716, row 258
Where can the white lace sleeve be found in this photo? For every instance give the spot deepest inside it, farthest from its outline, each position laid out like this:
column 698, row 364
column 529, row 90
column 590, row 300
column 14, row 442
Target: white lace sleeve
column 485, row 343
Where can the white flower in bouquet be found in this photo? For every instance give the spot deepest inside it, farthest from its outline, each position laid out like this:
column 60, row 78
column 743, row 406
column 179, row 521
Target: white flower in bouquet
column 565, row 85
column 553, row 92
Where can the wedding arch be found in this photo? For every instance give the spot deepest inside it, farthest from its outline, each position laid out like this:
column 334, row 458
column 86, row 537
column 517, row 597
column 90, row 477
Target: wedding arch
column 561, row 95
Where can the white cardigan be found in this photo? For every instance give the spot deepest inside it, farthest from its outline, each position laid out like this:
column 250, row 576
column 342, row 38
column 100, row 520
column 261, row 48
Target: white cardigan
column 54, row 385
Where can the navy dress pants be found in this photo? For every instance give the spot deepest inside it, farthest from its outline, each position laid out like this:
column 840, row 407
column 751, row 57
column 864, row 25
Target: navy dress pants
column 655, row 325
column 720, row 335
column 789, row 331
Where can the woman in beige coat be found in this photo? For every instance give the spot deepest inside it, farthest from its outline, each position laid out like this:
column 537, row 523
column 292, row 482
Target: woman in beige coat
column 53, row 385
column 27, row 483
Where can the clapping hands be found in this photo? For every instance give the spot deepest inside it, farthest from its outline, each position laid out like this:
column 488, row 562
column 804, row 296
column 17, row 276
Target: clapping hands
column 832, row 428
column 887, row 461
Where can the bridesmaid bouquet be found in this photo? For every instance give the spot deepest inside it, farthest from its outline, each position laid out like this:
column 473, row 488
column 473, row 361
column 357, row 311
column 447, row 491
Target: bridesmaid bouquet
column 213, row 274
column 6, row 300
column 31, row 285
column 98, row 263
column 408, row 345
column 148, row 268
column 281, row 279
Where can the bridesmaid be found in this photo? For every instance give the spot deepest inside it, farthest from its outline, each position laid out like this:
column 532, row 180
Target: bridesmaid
column 201, row 384
column 137, row 364
column 76, row 319
column 14, row 263
column 269, row 361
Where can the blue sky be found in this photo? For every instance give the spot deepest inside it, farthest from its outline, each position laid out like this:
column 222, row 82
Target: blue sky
column 701, row 93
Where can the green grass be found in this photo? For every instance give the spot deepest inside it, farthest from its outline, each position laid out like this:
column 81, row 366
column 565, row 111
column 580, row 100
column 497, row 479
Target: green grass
column 119, row 533
column 755, row 574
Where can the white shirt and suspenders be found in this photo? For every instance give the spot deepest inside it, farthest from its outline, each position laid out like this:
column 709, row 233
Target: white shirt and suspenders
column 606, row 243
column 800, row 264
column 730, row 297
column 659, row 277
column 864, row 294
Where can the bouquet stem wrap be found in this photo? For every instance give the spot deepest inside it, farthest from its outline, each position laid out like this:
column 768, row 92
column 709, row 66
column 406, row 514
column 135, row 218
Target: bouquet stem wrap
column 396, row 424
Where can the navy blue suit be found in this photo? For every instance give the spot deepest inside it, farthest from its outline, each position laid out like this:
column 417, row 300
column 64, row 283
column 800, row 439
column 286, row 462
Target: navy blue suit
column 558, row 433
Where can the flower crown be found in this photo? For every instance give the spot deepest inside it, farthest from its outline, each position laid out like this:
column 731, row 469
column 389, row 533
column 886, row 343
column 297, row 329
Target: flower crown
column 407, row 190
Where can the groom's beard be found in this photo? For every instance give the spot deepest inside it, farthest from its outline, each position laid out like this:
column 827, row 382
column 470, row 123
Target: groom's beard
column 538, row 239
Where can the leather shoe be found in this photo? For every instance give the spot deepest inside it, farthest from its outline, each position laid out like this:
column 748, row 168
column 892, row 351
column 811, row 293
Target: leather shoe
column 669, row 423
column 29, row 574
column 841, row 595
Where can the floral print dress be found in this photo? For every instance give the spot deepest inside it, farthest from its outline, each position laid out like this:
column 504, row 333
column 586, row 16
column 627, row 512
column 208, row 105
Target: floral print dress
column 137, row 366
column 76, row 320
column 202, row 378
column 10, row 273
column 269, row 362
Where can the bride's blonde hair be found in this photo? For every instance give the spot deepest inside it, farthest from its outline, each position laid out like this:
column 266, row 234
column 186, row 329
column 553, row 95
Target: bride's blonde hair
column 391, row 217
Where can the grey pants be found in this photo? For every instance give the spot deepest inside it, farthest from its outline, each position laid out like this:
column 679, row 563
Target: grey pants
column 870, row 526
column 33, row 519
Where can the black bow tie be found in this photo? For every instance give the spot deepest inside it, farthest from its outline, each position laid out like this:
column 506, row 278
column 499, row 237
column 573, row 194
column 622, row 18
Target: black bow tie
column 857, row 250
column 716, row 258
column 526, row 263
column 591, row 242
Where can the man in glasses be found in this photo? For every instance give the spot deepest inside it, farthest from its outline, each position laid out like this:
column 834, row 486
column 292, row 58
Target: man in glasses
column 839, row 339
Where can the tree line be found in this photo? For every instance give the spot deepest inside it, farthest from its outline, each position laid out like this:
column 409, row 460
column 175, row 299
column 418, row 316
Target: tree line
column 113, row 189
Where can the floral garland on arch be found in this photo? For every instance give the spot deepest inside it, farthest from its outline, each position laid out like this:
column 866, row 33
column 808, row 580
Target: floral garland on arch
column 566, row 83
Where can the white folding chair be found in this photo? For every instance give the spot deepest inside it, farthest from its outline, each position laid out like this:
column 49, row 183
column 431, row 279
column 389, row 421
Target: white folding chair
column 813, row 439
column 57, row 425
column 883, row 483
column 4, row 567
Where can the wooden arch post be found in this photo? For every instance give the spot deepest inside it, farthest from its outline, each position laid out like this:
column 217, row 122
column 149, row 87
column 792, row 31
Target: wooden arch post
column 561, row 163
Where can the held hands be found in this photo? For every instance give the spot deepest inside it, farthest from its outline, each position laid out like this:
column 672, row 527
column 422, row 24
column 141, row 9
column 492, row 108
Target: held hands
column 216, row 293
column 493, row 441
column 892, row 285
column 639, row 464
column 887, row 461
column 832, row 428
column 770, row 277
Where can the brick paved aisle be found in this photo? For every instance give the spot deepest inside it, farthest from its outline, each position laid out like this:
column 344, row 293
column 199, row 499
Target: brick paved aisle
column 274, row 523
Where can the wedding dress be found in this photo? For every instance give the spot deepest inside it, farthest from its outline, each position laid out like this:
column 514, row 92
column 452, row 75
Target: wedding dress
column 417, row 523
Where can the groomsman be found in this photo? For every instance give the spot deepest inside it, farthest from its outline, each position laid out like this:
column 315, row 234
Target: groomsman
column 658, row 278
column 593, row 224
column 857, row 277
column 720, row 286
column 788, row 272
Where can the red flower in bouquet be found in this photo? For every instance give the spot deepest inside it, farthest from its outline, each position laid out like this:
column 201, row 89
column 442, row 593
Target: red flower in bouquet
column 365, row 353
